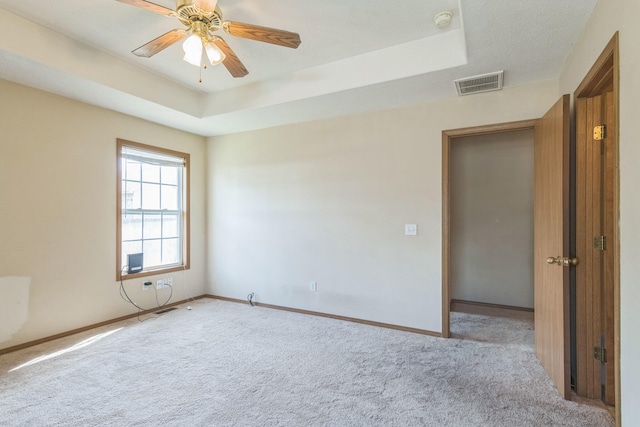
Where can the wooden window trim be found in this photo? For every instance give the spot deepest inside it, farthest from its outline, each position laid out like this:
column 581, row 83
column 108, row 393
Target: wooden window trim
column 186, row 227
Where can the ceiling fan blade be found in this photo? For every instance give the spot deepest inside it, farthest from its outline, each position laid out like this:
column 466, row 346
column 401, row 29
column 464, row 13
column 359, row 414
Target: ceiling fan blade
column 231, row 62
column 263, row 34
column 147, row 5
column 160, row 43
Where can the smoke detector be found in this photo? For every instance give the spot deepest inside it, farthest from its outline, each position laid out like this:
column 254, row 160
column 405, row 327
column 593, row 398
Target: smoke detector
column 443, row 19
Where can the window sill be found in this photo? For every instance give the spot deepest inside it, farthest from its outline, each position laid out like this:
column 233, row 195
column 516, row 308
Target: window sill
column 121, row 276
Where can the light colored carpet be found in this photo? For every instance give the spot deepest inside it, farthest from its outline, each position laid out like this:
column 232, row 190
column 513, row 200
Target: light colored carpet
column 226, row 364
column 505, row 330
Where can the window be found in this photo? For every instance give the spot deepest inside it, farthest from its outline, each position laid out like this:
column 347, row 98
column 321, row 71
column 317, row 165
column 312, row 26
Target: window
column 152, row 208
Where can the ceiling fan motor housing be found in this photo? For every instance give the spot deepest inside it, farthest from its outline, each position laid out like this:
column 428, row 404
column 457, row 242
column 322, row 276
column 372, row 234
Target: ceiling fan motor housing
column 189, row 14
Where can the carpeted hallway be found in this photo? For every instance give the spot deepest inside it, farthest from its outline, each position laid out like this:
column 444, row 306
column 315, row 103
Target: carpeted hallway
column 226, row 364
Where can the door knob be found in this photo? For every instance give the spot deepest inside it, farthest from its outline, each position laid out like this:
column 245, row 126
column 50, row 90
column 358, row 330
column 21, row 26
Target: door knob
column 570, row 261
column 556, row 260
column 564, row 261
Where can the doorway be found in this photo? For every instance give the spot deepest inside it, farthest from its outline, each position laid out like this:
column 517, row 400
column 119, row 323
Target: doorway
column 552, row 262
column 459, row 295
column 491, row 189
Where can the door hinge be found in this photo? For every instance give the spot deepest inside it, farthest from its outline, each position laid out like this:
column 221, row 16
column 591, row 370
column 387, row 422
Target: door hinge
column 600, row 243
column 600, row 353
column 599, row 132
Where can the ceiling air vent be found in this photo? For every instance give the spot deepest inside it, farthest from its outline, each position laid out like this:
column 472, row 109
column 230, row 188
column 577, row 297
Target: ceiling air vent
column 482, row 83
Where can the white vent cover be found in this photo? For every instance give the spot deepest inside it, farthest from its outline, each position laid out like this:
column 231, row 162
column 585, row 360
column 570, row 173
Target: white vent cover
column 482, row 83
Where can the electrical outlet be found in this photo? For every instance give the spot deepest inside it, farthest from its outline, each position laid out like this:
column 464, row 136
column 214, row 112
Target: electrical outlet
column 313, row 286
column 159, row 284
column 169, row 281
column 146, row 286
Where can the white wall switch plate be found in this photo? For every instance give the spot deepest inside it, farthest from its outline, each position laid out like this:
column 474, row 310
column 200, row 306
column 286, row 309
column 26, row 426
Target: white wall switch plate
column 411, row 229
column 313, row 286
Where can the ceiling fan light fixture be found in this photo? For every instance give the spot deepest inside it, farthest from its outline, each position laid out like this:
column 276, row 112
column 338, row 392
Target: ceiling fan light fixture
column 192, row 47
column 208, row 5
column 214, row 53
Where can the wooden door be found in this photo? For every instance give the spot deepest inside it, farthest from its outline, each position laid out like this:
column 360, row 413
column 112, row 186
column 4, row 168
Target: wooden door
column 551, row 243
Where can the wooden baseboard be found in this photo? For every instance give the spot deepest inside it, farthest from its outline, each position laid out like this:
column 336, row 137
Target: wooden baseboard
column 489, row 305
column 330, row 316
column 87, row 328
column 275, row 307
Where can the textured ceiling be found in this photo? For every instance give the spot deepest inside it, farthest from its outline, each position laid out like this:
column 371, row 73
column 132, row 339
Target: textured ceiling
column 355, row 56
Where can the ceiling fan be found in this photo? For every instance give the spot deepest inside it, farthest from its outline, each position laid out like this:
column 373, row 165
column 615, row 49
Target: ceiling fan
column 202, row 18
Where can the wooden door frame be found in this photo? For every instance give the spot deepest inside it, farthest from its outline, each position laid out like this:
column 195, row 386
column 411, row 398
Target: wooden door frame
column 606, row 69
column 449, row 137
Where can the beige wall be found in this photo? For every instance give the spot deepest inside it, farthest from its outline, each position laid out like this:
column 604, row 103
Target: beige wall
column 327, row 201
column 611, row 16
column 492, row 218
column 57, row 213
